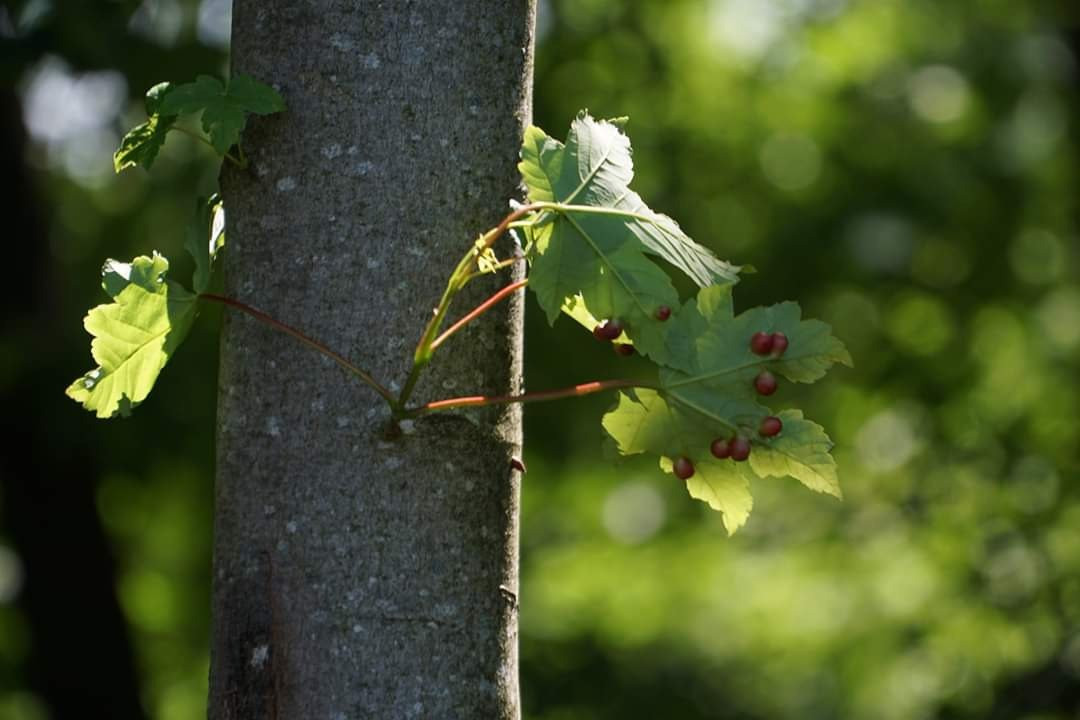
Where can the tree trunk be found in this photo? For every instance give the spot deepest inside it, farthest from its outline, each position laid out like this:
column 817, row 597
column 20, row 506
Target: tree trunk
column 356, row 575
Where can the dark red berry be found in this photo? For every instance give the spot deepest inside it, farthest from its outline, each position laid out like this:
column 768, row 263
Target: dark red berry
column 761, row 343
column 683, row 468
column 624, row 349
column 720, row 448
column 779, row 343
column 770, row 426
column 608, row 330
column 663, row 313
column 765, row 383
column 740, row 448
column 598, row 333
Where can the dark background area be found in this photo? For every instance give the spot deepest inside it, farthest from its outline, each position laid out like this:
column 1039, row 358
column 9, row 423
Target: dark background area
column 906, row 169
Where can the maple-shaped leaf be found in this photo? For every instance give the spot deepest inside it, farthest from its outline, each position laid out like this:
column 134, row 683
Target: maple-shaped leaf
column 589, row 258
column 224, row 109
column 710, row 345
column 140, row 146
column 134, row 336
column 644, row 421
column 710, row 395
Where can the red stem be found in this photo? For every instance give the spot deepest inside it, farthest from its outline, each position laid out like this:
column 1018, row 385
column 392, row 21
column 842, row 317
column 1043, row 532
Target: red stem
column 480, row 400
column 478, row 311
column 310, row 342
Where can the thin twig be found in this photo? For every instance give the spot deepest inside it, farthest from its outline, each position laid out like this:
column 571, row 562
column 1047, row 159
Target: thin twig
column 478, row 311
column 310, row 342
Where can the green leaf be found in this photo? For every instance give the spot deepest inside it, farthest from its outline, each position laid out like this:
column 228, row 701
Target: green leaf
column 595, row 168
column 134, row 336
column 141, row 144
column 801, row 451
column 210, row 223
column 724, row 485
column 708, row 394
column 589, row 256
column 224, row 110
column 710, row 345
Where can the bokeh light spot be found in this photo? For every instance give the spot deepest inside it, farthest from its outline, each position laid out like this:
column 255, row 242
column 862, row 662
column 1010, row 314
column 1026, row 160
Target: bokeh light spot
column 886, row 441
column 634, row 512
column 791, row 161
column 938, row 94
column 920, row 324
column 1059, row 317
column 1037, row 256
column 940, row 264
column 881, row 241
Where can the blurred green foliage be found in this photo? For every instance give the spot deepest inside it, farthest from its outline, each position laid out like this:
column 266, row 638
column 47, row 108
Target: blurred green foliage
column 906, row 169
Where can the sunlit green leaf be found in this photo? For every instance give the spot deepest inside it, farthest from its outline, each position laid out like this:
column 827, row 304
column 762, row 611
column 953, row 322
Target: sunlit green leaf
column 134, row 336
column 711, row 396
column 801, row 451
column 593, row 265
column 141, row 144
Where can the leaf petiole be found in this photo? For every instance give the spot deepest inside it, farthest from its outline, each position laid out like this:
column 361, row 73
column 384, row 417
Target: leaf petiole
column 310, row 342
column 478, row 311
column 540, row 396
column 240, row 162
column 458, row 279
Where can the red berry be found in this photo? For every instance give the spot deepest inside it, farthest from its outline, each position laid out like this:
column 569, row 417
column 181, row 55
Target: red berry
column 761, row 343
column 683, row 468
column 598, row 333
column 608, row 330
column 721, row 448
column 740, row 448
column 624, row 349
column 663, row 313
column 770, row 426
column 765, row 383
column 779, row 343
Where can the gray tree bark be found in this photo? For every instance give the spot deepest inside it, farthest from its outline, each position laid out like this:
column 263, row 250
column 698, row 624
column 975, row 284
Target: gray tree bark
column 355, row 575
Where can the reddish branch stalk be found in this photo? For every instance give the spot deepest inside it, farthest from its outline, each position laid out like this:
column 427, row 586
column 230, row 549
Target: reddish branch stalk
column 480, row 400
column 478, row 311
column 449, row 403
column 457, row 281
column 310, row 342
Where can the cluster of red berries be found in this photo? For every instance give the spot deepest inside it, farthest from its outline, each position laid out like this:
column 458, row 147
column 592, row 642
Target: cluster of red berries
column 608, row 330
column 763, row 343
column 736, row 448
column 774, row 344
